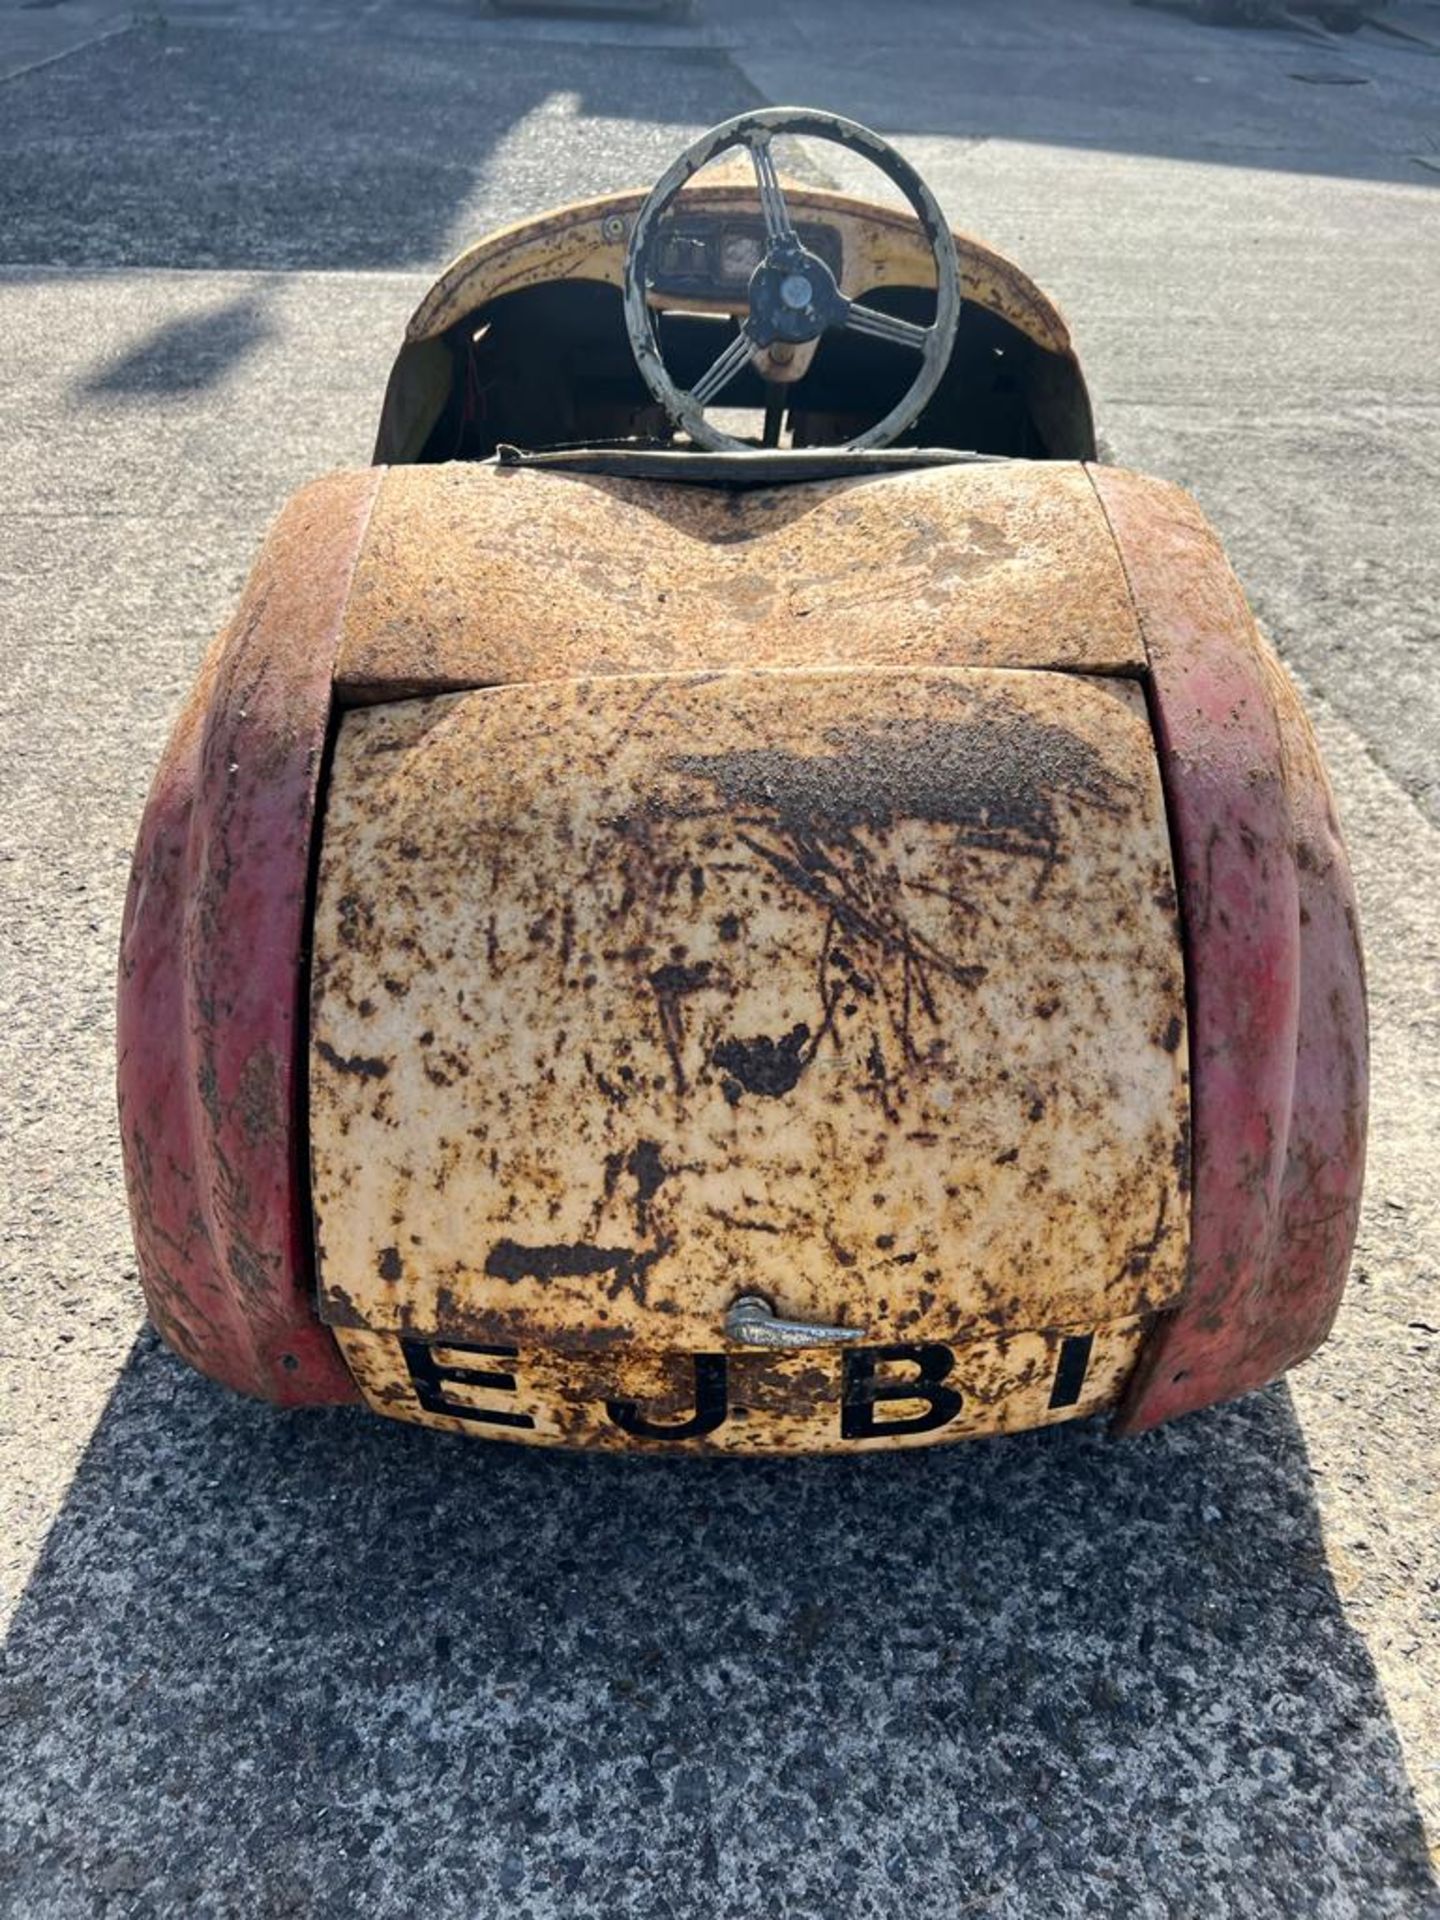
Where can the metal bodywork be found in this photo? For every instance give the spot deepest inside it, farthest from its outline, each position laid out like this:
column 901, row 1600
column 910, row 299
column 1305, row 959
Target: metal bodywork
column 880, row 247
column 458, row 585
column 584, row 245
column 590, row 934
column 860, row 991
column 211, row 1025
column 1095, row 603
column 1277, row 975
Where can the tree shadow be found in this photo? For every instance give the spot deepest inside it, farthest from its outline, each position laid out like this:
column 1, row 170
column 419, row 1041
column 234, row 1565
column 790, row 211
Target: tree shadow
column 321, row 1664
column 185, row 355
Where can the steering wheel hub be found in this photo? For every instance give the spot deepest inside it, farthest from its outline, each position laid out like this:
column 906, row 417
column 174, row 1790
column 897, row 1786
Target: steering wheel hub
column 793, row 297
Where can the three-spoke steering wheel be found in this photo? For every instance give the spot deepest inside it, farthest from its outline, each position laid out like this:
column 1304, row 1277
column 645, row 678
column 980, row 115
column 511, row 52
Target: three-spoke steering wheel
column 793, row 295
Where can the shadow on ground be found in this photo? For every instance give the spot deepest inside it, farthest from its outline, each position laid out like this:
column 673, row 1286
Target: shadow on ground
column 240, row 145
column 1122, row 79
column 186, row 355
column 310, row 136
column 318, row 1664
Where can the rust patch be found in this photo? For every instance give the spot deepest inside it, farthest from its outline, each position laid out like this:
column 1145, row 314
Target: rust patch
column 1277, row 976
column 211, row 966
column 508, row 1260
column 762, row 1065
column 367, row 1066
column 1007, row 564
column 880, row 246
column 670, row 985
column 756, row 990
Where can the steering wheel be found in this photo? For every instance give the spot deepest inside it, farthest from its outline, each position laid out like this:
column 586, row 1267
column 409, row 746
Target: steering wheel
column 793, row 297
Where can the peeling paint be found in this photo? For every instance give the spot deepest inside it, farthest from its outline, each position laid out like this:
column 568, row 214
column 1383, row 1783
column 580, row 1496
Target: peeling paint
column 817, row 1074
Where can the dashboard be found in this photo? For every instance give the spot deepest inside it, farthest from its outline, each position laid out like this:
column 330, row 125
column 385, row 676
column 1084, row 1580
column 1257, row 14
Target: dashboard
column 711, row 256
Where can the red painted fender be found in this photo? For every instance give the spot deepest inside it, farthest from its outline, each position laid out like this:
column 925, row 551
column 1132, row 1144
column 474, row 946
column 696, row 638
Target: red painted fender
column 1278, row 1040
column 212, row 972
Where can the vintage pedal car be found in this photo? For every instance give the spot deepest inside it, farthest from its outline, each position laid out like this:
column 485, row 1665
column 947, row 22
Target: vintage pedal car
column 671, row 927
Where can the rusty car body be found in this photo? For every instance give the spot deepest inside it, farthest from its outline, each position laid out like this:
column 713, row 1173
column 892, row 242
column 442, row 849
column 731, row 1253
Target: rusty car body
column 645, row 940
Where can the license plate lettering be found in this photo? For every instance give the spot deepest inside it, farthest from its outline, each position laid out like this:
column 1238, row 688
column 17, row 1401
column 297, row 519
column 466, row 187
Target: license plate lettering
column 897, row 1394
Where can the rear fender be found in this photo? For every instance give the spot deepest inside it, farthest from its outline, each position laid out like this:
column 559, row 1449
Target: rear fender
column 212, row 975
column 1278, row 1035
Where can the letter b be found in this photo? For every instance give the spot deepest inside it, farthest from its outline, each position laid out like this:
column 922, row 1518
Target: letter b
column 862, row 1391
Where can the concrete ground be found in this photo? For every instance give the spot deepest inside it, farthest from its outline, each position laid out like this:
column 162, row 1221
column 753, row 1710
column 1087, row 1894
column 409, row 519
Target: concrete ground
column 263, row 1665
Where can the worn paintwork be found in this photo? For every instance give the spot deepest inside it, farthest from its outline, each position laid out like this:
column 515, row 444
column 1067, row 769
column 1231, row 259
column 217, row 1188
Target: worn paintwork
column 1004, row 563
column 860, row 991
column 880, row 246
column 1276, row 975
column 732, row 1401
column 212, row 975
column 773, row 329
column 629, row 787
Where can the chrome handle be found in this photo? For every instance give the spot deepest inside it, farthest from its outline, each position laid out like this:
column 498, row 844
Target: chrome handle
column 751, row 1321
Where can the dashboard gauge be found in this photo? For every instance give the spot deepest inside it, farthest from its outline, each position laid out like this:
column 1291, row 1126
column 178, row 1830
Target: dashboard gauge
column 740, row 254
